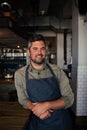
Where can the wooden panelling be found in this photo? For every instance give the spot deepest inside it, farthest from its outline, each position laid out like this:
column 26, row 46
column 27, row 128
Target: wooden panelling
column 12, row 116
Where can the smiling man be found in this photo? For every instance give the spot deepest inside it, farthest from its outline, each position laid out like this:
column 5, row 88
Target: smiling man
column 44, row 89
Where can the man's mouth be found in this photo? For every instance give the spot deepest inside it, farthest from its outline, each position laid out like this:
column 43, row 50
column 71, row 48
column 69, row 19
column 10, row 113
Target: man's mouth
column 40, row 56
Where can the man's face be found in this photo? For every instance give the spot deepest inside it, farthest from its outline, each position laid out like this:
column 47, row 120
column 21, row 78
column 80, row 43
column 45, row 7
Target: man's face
column 37, row 52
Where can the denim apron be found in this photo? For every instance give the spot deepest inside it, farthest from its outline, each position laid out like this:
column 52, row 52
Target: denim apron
column 47, row 89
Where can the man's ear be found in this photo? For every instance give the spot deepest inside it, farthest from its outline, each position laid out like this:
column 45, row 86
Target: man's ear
column 28, row 52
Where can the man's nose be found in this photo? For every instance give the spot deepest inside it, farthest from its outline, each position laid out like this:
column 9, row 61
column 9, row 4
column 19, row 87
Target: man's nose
column 39, row 51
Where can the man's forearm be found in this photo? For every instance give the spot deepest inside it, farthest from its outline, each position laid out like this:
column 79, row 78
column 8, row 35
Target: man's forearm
column 56, row 104
column 29, row 105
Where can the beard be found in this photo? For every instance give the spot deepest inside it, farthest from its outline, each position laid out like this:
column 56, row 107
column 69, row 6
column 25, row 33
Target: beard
column 37, row 62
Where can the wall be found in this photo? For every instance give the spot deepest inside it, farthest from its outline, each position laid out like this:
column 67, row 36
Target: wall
column 79, row 68
column 60, row 50
column 82, row 69
column 69, row 48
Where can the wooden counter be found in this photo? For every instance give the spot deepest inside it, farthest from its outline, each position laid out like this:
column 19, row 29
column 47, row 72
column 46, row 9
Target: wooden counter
column 12, row 116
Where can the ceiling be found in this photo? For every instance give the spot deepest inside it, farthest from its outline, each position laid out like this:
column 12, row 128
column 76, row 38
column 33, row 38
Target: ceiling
column 8, row 38
column 58, row 8
column 20, row 10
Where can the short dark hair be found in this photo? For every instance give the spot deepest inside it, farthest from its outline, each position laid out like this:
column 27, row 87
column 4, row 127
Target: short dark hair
column 36, row 37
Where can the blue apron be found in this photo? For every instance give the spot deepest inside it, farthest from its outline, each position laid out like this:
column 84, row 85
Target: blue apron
column 47, row 89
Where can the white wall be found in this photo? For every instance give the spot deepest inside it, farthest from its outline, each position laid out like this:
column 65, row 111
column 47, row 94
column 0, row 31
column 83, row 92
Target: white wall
column 79, row 62
column 60, row 50
column 69, row 47
column 82, row 41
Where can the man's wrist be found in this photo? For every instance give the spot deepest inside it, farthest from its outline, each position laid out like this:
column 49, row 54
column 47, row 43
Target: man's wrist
column 49, row 105
column 29, row 105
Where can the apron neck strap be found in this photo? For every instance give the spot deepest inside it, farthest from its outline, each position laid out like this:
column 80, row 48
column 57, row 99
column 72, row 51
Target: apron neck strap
column 50, row 69
column 47, row 66
column 26, row 73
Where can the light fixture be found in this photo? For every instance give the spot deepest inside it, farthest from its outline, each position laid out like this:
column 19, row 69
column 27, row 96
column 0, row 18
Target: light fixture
column 5, row 6
column 18, row 46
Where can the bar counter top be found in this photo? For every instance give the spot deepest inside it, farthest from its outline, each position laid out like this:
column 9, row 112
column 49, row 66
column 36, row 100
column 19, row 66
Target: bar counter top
column 6, row 81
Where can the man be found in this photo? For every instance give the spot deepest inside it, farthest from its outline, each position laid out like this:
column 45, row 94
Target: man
column 44, row 89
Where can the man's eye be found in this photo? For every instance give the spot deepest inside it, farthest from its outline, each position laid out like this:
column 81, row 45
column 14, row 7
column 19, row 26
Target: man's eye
column 43, row 48
column 34, row 48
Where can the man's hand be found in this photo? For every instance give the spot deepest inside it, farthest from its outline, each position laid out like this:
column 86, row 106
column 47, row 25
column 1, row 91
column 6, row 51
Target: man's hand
column 45, row 115
column 41, row 110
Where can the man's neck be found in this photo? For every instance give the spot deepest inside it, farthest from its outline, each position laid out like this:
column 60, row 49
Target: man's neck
column 37, row 66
